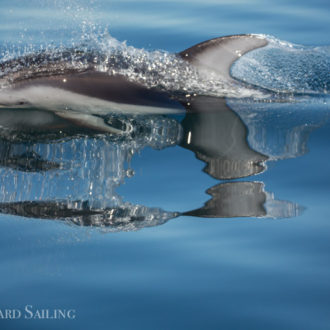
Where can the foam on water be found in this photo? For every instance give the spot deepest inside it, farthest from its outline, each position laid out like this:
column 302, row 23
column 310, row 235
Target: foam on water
column 286, row 67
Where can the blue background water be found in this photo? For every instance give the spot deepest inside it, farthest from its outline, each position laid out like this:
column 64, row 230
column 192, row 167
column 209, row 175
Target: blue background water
column 190, row 273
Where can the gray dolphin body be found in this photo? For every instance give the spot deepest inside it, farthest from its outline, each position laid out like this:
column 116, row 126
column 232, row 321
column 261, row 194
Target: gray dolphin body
column 81, row 96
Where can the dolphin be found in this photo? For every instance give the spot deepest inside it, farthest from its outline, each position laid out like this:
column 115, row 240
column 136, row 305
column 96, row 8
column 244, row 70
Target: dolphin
column 82, row 96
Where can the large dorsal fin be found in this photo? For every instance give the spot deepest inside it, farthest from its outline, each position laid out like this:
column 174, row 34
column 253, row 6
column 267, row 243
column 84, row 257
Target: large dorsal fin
column 218, row 55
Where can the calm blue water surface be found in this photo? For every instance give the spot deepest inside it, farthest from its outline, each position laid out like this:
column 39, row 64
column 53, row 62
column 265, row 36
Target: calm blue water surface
column 257, row 258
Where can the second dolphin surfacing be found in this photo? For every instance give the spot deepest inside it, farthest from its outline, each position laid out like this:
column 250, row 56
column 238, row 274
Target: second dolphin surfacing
column 83, row 95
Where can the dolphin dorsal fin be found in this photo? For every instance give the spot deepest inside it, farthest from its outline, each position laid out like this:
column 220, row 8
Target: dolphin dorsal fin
column 218, row 55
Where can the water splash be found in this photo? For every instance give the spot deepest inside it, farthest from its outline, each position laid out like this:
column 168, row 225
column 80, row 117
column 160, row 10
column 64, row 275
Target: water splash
column 279, row 67
column 81, row 168
column 286, row 67
column 152, row 69
column 75, row 179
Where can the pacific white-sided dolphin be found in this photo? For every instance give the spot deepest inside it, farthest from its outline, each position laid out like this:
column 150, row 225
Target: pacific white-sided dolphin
column 83, row 95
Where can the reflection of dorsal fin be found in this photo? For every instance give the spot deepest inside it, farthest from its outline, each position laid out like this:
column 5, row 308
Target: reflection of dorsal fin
column 217, row 136
column 219, row 54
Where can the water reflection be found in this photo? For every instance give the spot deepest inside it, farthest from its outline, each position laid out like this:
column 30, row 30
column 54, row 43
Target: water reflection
column 217, row 136
column 60, row 170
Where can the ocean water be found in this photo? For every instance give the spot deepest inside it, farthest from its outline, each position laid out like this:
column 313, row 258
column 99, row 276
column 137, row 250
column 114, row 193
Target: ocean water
column 210, row 219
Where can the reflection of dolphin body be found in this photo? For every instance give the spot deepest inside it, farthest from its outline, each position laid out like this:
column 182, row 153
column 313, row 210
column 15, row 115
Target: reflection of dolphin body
column 82, row 95
column 80, row 185
column 126, row 217
column 75, row 179
column 232, row 199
